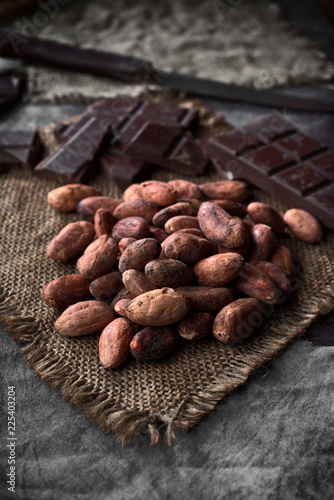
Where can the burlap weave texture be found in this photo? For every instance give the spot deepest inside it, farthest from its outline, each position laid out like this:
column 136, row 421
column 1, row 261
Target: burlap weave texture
column 175, row 392
column 231, row 41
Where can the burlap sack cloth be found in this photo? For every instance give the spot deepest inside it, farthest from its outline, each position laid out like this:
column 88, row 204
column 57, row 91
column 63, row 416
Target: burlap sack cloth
column 172, row 393
column 231, row 41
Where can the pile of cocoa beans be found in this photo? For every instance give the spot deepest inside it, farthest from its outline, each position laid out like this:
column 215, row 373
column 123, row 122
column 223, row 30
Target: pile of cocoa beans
column 172, row 260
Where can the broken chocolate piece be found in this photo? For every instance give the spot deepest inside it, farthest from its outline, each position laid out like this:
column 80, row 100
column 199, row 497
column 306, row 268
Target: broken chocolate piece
column 282, row 161
column 24, row 147
column 123, row 169
column 75, row 160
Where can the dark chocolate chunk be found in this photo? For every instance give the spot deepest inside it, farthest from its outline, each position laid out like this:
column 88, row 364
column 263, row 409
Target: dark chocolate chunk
column 324, row 163
column 296, row 168
column 24, row 146
column 154, row 137
column 155, row 133
column 75, row 160
column 147, row 134
column 123, row 169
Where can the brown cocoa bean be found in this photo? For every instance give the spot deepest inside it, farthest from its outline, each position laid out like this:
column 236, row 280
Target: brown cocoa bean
column 187, row 248
column 87, row 207
column 218, row 270
column 225, row 190
column 233, row 208
column 106, row 286
column 131, row 227
column 66, row 198
column 180, row 222
column 244, row 248
column 186, row 189
column 192, row 230
column 136, row 208
column 119, row 307
column 194, row 204
column 98, row 258
column 282, row 258
column 195, row 326
column 277, row 276
column 138, row 254
column 206, row 299
column 132, row 192
column 237, row 321
column 136, row 282
column 168, row 272
column 84, row 318
column 303, row 225
column 161, row 193
column 125, row 243
column 104, row 221
column 261, row 213
column 157, row 308
column 262, row 243
column 71, row 241
column 218, row 226
column 65, row 291
column 154, row 342
column 157, row 233
column 114, row 344
column 122, row 294
column 258, row 285
column 161, row 217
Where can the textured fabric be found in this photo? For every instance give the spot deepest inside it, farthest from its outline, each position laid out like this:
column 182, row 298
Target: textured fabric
column 271, row 440
column 242, row 42
column 175, row 392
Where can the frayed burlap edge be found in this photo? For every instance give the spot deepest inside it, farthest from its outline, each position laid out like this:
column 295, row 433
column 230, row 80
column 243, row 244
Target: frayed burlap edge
column 129, row 424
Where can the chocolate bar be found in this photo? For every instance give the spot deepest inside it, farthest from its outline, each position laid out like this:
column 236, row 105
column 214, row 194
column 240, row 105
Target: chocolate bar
column 288, row 164
column 75, row 161
column 20, row 147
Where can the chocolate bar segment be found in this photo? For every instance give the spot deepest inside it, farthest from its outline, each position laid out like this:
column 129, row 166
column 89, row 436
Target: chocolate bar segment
column 24, row 147
column 76, row 159
column 270, row 128
column 282, row 161
column 124, row 170
column 324, row 163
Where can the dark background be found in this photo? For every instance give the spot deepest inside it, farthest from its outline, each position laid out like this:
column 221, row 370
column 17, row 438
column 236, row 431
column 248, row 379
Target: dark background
column 271, row 439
